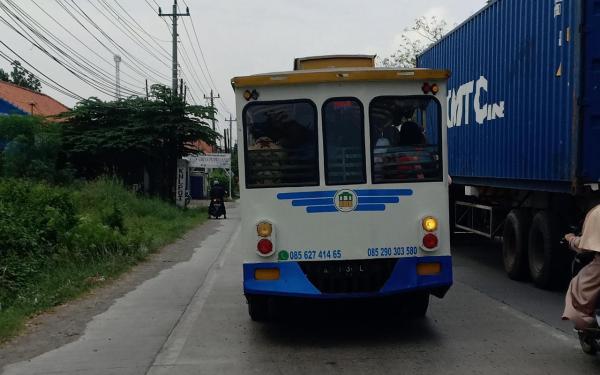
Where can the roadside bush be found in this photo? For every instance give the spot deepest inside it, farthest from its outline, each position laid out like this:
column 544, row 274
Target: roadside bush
column 55, row 241
column 34, row 220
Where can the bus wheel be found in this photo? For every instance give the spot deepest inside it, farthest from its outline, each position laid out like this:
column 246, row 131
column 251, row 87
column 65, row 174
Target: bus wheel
column 514, row 244
column 258, row 308
column 545, row 253
column 417, row 305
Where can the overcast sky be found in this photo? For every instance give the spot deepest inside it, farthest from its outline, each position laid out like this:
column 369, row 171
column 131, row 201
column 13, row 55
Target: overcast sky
column 237, row 37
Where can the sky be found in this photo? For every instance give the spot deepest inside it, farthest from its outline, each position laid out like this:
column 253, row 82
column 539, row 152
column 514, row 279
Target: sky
column 234, row 38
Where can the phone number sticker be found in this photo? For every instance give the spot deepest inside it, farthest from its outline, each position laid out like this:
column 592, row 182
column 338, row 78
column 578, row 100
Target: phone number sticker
column 385, row 252
column 298, row 255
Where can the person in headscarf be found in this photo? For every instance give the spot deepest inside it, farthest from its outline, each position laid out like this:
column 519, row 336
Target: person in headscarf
column 582, row 297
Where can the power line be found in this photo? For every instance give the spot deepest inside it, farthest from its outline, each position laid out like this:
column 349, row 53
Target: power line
column 94, row 83
column 78, row 9
column 204, row 59
column 143, row 74
column 130, row 32
column 85, row 64
column 83, row 43
column 55, row 85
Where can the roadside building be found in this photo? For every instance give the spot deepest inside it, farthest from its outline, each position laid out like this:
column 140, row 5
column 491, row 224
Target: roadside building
column 16, row 100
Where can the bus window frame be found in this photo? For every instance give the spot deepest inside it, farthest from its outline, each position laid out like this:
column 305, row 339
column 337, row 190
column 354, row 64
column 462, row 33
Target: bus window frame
column 440, row 142
column 363, row 133
column 316, row 134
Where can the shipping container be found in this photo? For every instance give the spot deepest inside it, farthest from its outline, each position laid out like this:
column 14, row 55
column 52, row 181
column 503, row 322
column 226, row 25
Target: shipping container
column 524, row 94
column 524, row 125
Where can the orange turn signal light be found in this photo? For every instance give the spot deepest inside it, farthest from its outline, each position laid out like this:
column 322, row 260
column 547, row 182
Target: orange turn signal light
column 267, row 274
column 264, row 229
column 429, row 269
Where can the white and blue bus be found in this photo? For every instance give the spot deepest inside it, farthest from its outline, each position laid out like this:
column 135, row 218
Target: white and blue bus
column 343, row 182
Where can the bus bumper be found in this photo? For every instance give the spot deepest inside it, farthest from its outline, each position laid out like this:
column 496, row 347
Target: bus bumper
column 404, row 278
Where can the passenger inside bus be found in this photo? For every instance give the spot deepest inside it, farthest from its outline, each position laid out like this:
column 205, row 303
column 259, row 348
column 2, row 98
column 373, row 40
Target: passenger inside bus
column 404, row 154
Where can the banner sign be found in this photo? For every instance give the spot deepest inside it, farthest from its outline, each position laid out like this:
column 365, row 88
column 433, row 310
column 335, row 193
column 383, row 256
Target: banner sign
column 210, row 161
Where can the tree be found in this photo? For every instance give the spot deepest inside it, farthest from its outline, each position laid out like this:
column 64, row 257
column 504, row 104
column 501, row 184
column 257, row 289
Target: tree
column 414, row 40
column 21, row 77
column 134, row 136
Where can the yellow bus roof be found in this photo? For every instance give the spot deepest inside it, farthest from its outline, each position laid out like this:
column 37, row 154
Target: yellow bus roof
column 338, row 75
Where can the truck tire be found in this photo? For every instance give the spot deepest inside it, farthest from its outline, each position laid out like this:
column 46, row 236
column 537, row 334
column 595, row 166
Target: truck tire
column 546, row 257
column 258, row 308
column 515, row 242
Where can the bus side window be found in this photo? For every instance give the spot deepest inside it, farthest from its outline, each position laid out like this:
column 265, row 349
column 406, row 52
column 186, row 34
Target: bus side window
column 343, row 139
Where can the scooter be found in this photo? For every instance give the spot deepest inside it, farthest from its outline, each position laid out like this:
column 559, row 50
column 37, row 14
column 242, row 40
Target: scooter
column 216, row 209
column 589, row 338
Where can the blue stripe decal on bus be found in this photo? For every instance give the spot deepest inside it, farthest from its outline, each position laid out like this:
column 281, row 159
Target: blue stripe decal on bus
column 321, row 209
column 306, row 195
column 384, row 193
column 345, row 200
column 312, row 202
column 370, row 208
column 371, row 200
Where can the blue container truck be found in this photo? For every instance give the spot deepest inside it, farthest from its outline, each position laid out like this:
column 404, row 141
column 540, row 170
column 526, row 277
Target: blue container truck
column 524, row 127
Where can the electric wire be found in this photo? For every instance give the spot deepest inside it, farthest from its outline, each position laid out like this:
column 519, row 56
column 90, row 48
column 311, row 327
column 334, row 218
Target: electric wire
column 94, row 83
column 84, row 64
column 128, row 31
column 78, row 9
column 55, row 85
column 124, row 73
column 147, row 73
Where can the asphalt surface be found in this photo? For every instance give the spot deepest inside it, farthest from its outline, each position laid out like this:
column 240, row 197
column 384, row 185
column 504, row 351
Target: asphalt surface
column 192, row 319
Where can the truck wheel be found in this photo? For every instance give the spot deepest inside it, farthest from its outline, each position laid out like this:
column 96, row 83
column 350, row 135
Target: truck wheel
column 514, row 243
column 258, row 308
column 545, row 254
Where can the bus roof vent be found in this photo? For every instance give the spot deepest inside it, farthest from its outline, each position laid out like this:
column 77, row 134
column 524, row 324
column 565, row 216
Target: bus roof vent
column 334, row 61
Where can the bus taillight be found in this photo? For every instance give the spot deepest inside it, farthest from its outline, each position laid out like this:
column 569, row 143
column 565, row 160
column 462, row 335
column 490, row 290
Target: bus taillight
column 265, row 247
column 430, row 241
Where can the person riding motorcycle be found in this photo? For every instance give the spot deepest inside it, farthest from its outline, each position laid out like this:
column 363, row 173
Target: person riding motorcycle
column 583, row 294
column 217, row 194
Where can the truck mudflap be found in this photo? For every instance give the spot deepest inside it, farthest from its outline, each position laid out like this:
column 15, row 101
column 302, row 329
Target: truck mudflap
column 350, row 279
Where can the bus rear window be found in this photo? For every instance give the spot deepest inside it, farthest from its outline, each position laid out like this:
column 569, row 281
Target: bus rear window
column 344, row 139
column 405, row 139
column 281, row 144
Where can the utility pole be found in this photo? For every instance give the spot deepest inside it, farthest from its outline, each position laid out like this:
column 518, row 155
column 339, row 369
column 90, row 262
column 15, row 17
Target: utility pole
column 118, row 76
column 212, row 105
column 174, row 17
column 231, row 120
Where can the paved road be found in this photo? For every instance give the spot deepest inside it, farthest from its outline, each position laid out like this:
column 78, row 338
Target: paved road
column 191, row 319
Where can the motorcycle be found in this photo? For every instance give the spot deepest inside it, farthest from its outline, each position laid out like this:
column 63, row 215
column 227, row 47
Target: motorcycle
column 216, row 209
column 589, row 338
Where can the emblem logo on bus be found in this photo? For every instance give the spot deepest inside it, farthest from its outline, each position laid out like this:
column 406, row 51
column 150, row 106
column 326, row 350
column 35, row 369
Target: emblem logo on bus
column 346, row 200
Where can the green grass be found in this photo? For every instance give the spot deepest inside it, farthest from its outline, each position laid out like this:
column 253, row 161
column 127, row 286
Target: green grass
column 114, row 230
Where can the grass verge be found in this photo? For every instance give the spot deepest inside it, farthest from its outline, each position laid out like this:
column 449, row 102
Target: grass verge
column 57, row 243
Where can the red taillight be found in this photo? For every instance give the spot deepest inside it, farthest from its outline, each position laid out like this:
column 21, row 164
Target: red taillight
column 265, row 246
column 430, row 241
column 426, row 88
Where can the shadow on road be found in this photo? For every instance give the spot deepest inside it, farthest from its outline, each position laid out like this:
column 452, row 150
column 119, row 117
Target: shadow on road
column 346, row 324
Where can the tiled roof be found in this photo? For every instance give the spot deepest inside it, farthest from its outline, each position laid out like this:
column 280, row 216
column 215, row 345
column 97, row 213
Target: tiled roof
column 28, row 100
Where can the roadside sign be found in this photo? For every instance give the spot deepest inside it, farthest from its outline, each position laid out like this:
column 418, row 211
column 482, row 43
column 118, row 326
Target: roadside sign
column 210, row 161
column 181, row 182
